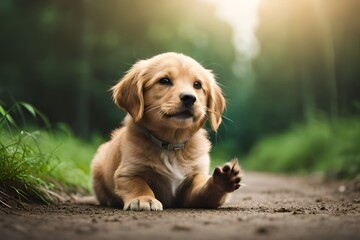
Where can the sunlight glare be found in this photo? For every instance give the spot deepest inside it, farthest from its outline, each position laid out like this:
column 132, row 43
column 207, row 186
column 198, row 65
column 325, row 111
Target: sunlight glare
column 242, row 15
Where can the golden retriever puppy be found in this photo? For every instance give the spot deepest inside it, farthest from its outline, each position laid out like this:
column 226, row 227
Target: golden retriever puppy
column 160, row 156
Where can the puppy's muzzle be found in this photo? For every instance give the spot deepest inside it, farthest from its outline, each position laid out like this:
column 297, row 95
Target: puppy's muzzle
column 187, row 100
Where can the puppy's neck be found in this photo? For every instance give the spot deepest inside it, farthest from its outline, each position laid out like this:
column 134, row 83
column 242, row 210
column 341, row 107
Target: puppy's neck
column 166, row 134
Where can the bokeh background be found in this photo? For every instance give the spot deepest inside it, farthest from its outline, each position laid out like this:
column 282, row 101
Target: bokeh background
column 290, row 70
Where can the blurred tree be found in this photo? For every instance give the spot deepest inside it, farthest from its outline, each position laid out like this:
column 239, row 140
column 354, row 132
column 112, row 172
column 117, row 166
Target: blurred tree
column 308, row 63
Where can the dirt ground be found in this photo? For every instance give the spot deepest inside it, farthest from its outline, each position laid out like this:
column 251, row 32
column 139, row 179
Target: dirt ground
column 269, row 207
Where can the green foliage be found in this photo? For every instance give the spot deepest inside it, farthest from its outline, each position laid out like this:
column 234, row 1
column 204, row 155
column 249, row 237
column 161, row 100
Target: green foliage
column 317, row 145
column 33, row 163
column 23, row 164
column 73, row 156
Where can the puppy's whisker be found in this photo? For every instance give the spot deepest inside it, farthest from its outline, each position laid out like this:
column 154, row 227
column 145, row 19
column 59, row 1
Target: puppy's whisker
column 158, row 115
column 203, row 112
column 223, row 116
column 152, row 109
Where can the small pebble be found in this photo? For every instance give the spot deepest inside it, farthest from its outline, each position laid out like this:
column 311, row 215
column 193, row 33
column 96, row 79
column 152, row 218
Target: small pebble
column 262, row 230
column 181, row 228
column 242, row 219
column 282, row 210
column 342, row 188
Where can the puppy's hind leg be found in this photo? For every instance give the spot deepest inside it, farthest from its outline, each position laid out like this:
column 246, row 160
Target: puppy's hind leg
column 102, row 192
column 104, row 196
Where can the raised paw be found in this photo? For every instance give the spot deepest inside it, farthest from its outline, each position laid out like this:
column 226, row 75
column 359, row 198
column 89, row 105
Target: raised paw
column 143, row 203
column 228, row 177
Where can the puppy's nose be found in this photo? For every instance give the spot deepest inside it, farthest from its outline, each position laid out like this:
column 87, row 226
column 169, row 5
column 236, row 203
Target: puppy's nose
column 187, row 99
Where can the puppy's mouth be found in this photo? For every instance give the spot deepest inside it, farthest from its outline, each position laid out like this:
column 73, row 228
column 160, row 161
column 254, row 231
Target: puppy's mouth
column 185, row 114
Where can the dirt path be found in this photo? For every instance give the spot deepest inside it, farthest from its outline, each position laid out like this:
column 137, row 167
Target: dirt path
column 270, row 207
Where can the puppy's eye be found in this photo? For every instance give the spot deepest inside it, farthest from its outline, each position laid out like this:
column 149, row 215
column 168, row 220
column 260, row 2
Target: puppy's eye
column 197, row 85
column 165, row 81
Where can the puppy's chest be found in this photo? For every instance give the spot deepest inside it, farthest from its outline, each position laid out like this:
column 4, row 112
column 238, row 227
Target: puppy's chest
column 176, row 172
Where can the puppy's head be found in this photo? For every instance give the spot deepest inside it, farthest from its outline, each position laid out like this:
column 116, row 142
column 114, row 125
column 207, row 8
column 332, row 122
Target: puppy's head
column 172, row 90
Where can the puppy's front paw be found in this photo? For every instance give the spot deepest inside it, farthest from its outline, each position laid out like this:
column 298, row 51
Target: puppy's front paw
column 228, row 177
column 143, row 203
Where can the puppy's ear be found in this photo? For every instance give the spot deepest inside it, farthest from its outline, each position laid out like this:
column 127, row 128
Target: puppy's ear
column 216, row 104
column 128, row 93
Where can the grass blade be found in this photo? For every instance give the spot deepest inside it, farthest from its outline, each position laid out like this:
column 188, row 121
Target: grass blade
column 29, row 107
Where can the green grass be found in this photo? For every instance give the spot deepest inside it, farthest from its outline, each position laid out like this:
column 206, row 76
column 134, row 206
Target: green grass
column 318, row 145
column 72, row 158
column 34, row 163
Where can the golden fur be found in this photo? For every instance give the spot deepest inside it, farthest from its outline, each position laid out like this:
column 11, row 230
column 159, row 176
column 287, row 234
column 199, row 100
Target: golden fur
column 132, row 172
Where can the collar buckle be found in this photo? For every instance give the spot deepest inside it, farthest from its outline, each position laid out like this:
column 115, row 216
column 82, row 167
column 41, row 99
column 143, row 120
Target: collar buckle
column 173, row 147
column 164, row 145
